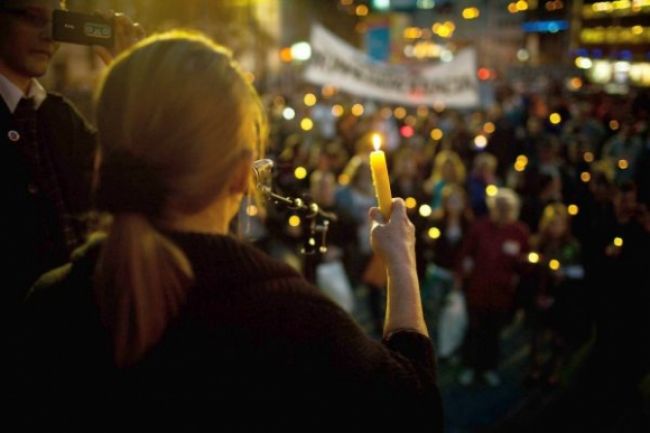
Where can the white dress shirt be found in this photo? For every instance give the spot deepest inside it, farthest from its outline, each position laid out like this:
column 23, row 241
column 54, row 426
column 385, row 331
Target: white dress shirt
column 12, row 94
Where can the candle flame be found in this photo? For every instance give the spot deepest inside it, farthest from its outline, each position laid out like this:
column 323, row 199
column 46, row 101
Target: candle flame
column 376, row 141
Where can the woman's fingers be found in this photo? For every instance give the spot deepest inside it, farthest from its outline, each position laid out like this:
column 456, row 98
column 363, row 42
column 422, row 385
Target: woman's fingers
column 125, row 34
column 375, row 215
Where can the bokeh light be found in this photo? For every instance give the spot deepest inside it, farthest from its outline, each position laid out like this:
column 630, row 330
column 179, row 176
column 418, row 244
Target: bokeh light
column 434, row 233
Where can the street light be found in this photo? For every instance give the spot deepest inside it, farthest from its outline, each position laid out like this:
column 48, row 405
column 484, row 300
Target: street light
column 301, row 51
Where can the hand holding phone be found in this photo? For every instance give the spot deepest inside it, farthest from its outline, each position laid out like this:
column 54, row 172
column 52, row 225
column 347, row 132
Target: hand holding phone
column 84, row 29
column 109, row 33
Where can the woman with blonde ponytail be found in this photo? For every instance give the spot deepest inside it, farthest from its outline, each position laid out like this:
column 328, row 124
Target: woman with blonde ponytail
column 168, row 322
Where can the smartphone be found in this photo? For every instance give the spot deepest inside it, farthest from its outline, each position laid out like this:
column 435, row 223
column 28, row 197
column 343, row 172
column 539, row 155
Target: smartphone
column 83, row 29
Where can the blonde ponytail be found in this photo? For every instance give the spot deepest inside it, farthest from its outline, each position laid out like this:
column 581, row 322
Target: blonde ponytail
column 141, row 282
column 175, row 115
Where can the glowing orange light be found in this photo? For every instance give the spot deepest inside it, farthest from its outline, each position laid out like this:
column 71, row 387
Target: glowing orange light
column 328, row 91
column 310, row 99
column 575, row 83
column 400, row 112
column 412, row 33
column 521, row 163
column 252, row 210
column 436, row 134
column 471, row 13
column 484, row 74
column 285, row 55
column 361, row 10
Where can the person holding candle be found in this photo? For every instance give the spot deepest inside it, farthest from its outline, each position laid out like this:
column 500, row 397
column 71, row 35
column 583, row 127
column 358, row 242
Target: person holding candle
column 448, row 169
column 559, row 311
column 167, row 322
column 492, row 258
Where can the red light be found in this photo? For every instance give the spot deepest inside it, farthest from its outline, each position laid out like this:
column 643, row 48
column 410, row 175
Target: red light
column 484, row 74
column 407, row 131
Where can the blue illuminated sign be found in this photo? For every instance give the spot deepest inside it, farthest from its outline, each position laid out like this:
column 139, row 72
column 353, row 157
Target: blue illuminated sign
column 553, row 26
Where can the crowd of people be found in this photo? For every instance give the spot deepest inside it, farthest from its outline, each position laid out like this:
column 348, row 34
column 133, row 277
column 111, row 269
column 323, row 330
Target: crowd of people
column 535, row 208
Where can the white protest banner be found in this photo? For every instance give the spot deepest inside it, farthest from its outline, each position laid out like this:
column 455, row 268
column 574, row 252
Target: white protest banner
column 334, row 62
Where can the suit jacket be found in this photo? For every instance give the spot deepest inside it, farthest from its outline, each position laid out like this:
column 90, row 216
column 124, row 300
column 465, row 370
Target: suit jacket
column 31, row 224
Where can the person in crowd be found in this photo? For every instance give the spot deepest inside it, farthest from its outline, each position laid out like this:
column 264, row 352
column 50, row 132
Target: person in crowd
column 443, row 247
column 583, row 123
column 560, row 301
column 623, row 151
column 457, row 135
column 501, row 139
column 447, row 169
column 167, row 322
column 351, row 203
column 491, row 261
column 533, row 136
column 603, row 386
column 592, row 225
column 547, row 189
column 406, row 174
column 483, row 174
column 322, row 181
column 47, row 147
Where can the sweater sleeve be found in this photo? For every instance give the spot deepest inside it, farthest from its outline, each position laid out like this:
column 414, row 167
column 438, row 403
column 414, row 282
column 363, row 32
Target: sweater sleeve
column 392, row 382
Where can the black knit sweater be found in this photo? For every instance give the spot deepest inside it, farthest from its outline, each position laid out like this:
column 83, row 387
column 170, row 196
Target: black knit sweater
column 255, row 348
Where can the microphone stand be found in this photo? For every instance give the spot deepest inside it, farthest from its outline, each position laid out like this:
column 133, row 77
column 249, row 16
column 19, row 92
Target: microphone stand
column 318, row 224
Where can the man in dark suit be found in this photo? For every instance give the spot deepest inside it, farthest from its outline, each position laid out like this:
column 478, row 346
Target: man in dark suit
column 47, row 149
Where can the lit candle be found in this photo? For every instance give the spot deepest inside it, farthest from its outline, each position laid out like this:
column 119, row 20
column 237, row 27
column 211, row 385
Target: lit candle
column 380, row 177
